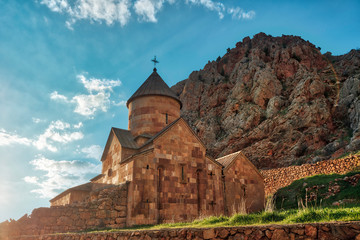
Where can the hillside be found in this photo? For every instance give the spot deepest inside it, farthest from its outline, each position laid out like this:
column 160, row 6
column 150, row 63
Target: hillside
column 320, row 191
column 278, row 99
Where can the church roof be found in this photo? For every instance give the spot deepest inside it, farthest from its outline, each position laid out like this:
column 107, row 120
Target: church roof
column 227, row 160
column 125, row 138
column 87, row 187
column 154, row 85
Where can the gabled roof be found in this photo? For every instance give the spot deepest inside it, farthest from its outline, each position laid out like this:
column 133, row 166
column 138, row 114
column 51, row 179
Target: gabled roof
column 213, row 160
column 125, row 138
column 165, row 129
column 96, row 178
column 154, row 85
column 227, row 160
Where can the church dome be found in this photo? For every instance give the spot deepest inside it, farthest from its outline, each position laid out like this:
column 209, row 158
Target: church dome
column 152, row 107
column 154, row 85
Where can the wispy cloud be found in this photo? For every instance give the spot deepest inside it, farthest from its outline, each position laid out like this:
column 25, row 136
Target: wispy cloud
column 79, row 125
column 112, row 11
column 8, row 138
column 97, row 99
column 147, row 9
column 57, row 132
column 108, row 11
column 38, row 120
column 59, row 175
column 211, row 5
column 238, row 13
column 93, row 151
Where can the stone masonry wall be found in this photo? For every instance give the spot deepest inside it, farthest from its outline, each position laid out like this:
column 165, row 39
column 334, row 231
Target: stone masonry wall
column 244, row 187
column 147, row 114
column 105, row 209
column 325, row 231
column 281, row 177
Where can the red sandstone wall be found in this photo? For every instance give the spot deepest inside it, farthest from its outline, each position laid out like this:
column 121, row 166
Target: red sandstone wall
column 282, row 177
column 164, row 187
column 107, row 209
column 110, row 163
column 62, row 201
column 125, row 172
column 327, row 231
column 142, row 199
column 187, row 189
column 147, row 114
column 244, row 187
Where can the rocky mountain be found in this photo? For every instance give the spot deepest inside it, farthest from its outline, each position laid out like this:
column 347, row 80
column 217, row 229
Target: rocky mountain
column 278, row 99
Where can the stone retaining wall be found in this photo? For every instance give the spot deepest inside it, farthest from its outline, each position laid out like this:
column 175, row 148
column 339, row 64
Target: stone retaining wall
column 326, row 231
column 281, row 177
column 104, row 209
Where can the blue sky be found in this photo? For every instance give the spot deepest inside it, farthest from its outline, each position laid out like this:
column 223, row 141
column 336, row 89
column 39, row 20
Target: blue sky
column 67, row 68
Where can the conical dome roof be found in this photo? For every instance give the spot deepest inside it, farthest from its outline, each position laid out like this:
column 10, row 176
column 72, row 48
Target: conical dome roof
column 154, row 85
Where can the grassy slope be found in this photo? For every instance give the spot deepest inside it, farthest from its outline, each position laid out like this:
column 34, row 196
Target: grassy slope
column 318, row 187
column 276, row 217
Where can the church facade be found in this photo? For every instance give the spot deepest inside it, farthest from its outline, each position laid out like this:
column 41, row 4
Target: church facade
column 169, row 175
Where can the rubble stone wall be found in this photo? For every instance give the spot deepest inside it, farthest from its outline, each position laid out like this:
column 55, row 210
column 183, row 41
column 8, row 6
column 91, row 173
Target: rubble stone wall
column 281, row 177
column 104, row 209
column 328, row 231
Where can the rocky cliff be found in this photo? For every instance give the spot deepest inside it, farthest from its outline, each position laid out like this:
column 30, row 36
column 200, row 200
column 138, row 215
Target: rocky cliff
column 278, row 99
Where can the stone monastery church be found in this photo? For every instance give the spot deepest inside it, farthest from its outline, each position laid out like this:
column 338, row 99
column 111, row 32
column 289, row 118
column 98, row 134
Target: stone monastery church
column 165, row 166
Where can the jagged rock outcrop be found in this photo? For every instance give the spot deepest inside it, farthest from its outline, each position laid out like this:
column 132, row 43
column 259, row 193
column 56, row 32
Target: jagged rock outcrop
column 278, row 99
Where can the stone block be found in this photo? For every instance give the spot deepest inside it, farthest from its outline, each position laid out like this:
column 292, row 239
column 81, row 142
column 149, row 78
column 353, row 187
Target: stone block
column 280, row 234
column 311, row 231
column 223, row 233
column 209, row 233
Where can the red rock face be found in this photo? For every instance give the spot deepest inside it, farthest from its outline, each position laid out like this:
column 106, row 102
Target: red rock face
column 276, row 98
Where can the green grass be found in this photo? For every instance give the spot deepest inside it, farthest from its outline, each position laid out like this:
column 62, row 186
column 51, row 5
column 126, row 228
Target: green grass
column 291, row 216
column 290, row 196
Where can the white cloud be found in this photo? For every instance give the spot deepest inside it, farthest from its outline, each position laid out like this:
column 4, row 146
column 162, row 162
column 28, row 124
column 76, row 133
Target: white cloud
column 7, row 138
column 112, row 11
column 87, row 105
column 238, row 13
column 56, row 96
column 121, row 103
column 147, row 9
column 79, row 125
column 211, row 5
column 38, row 120
column 60, row 175
column 108, row 11
column 98, row 85
column 94, row 151
column 29, row 179
column 97, row 99
column 57, row 132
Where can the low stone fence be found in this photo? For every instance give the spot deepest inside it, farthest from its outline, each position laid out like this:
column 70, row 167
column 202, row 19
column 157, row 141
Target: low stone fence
column 107, row 209
column 325, row 231
column 281, row 177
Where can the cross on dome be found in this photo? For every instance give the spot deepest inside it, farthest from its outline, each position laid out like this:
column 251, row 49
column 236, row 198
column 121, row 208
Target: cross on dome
column 155, row 62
